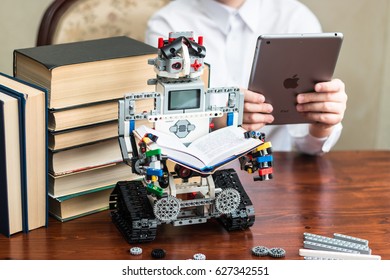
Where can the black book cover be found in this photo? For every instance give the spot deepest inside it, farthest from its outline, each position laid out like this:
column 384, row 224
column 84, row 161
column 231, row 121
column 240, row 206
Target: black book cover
column 53, row 56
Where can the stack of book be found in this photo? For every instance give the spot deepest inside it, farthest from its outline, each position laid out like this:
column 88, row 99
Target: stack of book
column 84, row 81
column 23, row 157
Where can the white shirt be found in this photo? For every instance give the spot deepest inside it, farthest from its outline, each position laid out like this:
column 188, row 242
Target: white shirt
column 230, row 38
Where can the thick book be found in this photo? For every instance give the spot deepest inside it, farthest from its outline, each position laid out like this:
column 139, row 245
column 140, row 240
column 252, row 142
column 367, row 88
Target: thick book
column 83, row 135
column 207, row 153
column 34, row 139
column 85, row 157
column 89, row 114
column 81, row 116
column 12, row 156
column 80, row 136
column 87, row 71
column 79, row 182
column 70, row 207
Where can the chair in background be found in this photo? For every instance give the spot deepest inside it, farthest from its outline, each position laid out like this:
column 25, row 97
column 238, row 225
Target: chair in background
column 78, row 20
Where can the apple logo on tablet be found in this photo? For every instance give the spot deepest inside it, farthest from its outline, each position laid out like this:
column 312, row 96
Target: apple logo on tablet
column 291, row 82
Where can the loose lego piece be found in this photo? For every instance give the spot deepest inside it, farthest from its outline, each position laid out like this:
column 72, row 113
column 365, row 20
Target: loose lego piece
column 136, row 251
column 277, row 252
column 158, row 253
column 337, row 243
column 199, row 256
column 351, row 247
column 318, row 259
column 350, row 239
column 336, row 255
column 260, row 251
column 320, row 246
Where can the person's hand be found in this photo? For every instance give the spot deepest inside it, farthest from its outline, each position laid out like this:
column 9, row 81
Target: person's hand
column 257, row 113
column 325, row 107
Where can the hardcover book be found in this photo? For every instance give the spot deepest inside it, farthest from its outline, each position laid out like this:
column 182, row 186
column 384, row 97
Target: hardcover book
column 86, row 72
column 85, row 157
column 33, row 139
column 83, row 135
column 82, row 181
column 89, row 114
column 70, row 207
column 12, row 156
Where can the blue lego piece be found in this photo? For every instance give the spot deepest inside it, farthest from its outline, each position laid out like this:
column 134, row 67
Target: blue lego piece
column 266, row 158
column 132, row 125
column 229, row 118
column 155, row 172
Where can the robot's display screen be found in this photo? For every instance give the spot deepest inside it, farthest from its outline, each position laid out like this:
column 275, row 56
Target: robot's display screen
column 184, row 99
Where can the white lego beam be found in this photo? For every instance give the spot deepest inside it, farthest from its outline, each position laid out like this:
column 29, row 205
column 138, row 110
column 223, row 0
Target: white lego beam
column 336, row 255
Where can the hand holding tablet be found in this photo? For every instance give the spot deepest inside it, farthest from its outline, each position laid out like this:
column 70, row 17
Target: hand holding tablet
column 289, row 64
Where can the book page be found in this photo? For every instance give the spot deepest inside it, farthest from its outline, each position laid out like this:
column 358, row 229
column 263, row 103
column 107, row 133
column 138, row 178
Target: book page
column 205, row 153
column 164, row 139
column 222, row 144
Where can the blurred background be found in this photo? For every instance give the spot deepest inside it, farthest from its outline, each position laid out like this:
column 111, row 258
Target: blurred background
column 364, row 62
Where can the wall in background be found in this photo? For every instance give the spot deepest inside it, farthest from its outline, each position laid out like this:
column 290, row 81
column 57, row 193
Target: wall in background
column 364, row 60
column 364, row 66
column 19, row 22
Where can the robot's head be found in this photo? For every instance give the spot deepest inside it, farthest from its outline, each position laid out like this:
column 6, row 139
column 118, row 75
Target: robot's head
column 179, row 56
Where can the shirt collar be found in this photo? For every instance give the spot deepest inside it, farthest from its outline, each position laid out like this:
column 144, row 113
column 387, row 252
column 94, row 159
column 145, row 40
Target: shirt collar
column 221, row 13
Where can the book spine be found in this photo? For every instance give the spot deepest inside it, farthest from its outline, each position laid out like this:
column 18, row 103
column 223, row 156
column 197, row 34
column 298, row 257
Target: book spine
column 4, row 213
column 23, row 160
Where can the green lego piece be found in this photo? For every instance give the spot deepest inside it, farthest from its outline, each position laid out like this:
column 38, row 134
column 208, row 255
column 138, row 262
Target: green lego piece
column 155, row 152
column 154, row 189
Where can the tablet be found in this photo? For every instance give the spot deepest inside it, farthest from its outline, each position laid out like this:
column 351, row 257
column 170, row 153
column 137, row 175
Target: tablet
column 287, row 64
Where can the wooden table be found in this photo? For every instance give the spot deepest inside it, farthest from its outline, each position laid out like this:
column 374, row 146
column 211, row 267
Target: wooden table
column 344, row 191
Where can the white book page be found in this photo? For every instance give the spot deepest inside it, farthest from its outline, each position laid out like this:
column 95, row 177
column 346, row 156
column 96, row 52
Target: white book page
column 164, row 139
column 223, row 144
column 212, row 149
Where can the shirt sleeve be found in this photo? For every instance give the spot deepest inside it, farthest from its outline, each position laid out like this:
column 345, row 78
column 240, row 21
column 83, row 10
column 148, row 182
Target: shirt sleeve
column 308, row 144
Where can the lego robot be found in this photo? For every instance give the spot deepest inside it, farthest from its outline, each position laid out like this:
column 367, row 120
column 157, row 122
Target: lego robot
column 172, row 193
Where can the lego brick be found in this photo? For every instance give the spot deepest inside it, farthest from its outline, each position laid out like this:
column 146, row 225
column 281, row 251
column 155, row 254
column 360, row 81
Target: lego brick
column 155, row 152
column 266, row 158
column 336, row 255
column 229, row 119
column 337, row 243
column 152, row 171
column 266, row 145
column 350, row 239
column 324, row 247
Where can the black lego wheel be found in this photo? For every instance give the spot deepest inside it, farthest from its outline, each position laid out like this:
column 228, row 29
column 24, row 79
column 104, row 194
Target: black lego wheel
column 244, row 216
column 132, row 213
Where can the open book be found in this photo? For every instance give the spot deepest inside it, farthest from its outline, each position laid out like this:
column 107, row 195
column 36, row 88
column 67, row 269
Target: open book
column 205, row 154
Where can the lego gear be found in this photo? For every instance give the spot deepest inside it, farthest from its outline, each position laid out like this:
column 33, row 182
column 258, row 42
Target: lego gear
column 260, row 251
column 277, row 252
column 158, row 253
column 167, row 208
column 135, row 251
column 227, row 201
column 199, row 256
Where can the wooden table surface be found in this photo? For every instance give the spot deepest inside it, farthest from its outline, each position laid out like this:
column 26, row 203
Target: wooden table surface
column 344, row 192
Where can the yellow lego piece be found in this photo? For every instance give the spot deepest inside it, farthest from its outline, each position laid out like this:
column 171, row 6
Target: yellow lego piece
column 264, row 146
column 146, row 140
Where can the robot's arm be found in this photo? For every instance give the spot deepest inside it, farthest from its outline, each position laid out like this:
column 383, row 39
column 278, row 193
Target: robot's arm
column 260, row 159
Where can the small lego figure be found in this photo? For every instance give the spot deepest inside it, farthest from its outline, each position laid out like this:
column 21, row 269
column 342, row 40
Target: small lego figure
column 173, row 193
